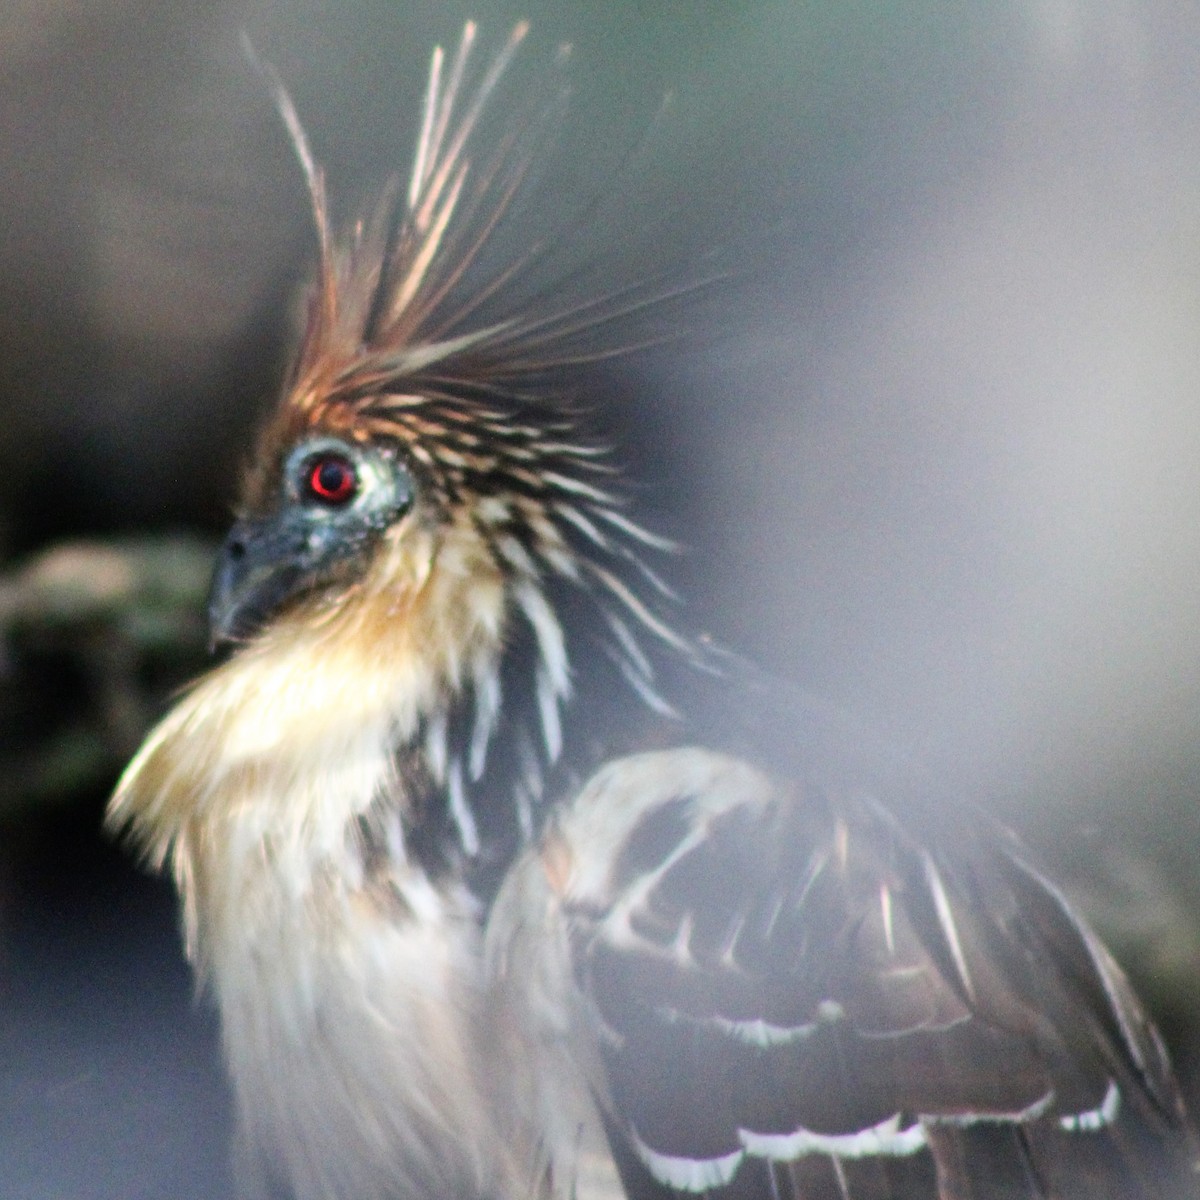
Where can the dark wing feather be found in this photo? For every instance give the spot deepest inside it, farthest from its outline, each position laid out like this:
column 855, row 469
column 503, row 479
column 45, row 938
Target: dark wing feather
column 794, row 995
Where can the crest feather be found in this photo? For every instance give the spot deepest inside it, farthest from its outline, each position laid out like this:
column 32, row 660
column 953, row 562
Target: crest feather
column 383, row 305
column 392, row 309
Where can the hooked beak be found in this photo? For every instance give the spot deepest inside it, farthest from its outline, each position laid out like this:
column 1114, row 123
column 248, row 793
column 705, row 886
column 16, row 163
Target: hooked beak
column 261, row 564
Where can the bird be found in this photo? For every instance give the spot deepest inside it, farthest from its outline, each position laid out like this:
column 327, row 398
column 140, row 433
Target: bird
column 463, row 947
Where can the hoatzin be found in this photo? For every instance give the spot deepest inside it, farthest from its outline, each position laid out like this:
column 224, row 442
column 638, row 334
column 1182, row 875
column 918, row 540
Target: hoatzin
column 445, row 970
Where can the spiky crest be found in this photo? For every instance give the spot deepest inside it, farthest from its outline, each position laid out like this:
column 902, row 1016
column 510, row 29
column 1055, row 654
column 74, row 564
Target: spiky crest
column 379, row 307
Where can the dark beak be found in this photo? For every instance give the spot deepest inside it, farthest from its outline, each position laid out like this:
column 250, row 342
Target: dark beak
column 261, row 564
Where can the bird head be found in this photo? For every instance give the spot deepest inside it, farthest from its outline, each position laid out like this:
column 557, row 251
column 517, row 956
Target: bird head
column 425, row 540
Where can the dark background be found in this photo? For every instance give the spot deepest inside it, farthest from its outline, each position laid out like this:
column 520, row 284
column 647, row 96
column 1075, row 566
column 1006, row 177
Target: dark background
column 934, row 449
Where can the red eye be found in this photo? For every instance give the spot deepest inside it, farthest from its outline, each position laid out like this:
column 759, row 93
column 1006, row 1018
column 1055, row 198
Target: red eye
column 332, row 480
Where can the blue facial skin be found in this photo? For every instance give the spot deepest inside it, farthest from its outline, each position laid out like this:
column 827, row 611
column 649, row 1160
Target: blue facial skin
column 310, row 537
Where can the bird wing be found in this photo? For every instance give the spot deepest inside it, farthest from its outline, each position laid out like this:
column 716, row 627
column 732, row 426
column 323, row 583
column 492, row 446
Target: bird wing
column 782, row 992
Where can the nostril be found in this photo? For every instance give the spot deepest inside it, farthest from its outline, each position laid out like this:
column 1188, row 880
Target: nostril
column 237, row 550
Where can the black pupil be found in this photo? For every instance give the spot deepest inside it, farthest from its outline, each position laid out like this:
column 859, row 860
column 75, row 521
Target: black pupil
column 332, row 480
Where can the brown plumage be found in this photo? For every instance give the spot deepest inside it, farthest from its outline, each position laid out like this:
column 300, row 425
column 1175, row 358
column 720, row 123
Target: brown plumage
column 439, row 975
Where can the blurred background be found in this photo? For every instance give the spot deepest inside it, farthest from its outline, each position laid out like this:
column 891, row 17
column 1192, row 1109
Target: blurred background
column 933, row 450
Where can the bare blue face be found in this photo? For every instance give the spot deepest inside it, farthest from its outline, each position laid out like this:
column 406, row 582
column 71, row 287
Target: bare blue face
column 334, row 500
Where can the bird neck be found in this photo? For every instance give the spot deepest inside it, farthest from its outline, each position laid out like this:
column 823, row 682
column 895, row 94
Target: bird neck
column 305, row 753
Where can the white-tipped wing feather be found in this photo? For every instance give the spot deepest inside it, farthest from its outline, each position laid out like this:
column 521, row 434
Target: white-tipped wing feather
column 780, row 992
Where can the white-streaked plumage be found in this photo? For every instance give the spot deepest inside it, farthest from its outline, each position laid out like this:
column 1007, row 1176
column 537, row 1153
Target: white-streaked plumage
column 445, row 968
